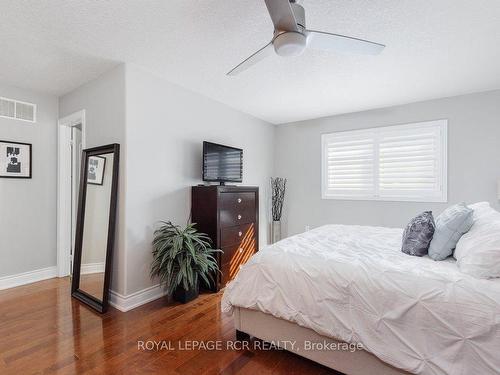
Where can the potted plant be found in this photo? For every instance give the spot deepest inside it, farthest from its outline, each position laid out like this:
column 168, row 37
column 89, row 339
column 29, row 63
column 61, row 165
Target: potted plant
column 181, row 259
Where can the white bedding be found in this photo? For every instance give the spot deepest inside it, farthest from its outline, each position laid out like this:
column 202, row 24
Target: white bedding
column 353, row 283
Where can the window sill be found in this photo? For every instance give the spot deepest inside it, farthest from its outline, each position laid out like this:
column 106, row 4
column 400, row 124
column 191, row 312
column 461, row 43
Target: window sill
column 388, row 199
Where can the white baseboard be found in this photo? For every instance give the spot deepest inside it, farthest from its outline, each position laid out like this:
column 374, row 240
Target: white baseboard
column 12, row 281
column 87, row 268
column 117, row 300
column 127, row 303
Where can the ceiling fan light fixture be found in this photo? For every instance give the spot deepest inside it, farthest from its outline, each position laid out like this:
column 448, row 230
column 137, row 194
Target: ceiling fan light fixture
column 290, row 43
column 291, row 37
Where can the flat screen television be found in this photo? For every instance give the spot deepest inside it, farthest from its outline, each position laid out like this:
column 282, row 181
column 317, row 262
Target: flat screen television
column 222, row 163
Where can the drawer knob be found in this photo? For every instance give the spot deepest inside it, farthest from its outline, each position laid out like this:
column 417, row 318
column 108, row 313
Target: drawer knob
column 239, row 217
column 239, row 200
column 241, row 249
column 240, row 233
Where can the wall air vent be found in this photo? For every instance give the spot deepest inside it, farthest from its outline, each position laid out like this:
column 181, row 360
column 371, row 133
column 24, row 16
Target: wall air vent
column 15, row 109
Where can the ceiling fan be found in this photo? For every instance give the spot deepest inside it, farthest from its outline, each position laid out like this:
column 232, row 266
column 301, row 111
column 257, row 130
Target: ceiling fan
column 291, row 37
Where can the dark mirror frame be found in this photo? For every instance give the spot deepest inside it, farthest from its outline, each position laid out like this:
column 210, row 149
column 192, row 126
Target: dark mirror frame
column 76, row 292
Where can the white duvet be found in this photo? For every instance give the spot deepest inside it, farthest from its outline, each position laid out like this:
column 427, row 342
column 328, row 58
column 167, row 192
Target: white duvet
column 353, row 283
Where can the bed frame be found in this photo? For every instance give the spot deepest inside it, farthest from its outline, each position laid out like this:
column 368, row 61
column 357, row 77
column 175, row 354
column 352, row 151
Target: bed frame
column 270, row 329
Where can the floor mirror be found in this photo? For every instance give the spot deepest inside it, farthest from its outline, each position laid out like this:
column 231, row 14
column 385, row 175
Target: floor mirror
column 95, row 226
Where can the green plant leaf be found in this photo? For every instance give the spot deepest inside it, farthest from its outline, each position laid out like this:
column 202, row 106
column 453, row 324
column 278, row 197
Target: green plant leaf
column 182, row 256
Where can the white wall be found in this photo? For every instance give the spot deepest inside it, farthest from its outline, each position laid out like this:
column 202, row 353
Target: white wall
column 473, row 161
column 28, row 206
column 166, row 125
column 160, row 127
column 103, row 100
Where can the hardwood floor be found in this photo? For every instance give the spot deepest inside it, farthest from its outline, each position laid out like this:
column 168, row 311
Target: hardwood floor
column 44, row 331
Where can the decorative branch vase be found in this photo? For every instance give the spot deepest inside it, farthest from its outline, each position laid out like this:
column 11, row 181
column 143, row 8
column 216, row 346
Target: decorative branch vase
column 278, row 188
column 275, row 231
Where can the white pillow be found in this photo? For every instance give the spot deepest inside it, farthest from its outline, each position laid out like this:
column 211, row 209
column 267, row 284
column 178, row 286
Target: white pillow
column 478, row 251
column 482, row 210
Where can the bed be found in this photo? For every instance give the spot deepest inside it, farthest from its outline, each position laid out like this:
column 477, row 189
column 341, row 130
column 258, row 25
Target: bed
column 352, row 284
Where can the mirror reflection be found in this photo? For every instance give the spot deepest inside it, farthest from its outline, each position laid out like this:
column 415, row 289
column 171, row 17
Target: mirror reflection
column 95, row 230
column 95, row 226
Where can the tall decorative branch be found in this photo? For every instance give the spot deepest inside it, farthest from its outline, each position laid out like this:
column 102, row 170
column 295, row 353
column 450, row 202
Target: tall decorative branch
column 278, row 188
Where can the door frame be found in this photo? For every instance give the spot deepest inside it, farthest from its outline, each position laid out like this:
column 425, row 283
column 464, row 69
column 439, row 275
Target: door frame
column 64, row 188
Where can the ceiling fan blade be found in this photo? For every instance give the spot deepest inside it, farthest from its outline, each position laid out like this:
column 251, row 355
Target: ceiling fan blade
column 341, row 43
column 282, row 15
column 252, row 60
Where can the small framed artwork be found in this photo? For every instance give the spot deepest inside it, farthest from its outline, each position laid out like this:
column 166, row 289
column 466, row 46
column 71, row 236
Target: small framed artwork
column 15, row 159
column 96, row 170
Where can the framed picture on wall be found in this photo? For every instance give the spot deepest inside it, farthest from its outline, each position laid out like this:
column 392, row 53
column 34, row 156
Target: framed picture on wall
column 96, row 170
column 15, row 159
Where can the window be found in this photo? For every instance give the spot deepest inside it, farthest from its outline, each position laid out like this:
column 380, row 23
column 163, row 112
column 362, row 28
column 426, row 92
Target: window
column 394, row 163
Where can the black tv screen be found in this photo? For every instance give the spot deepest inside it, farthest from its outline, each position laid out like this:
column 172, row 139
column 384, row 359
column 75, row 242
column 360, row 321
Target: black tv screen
column 222, row 163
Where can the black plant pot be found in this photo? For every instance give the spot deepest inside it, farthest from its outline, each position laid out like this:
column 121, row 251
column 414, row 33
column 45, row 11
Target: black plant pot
column 183, row 296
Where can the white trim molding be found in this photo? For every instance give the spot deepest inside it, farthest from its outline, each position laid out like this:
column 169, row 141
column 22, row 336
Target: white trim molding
column 24, row 278
column 64, row 196
column 130, row 302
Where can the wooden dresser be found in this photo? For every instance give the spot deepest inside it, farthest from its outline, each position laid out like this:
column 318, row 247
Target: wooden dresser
column 230, row 216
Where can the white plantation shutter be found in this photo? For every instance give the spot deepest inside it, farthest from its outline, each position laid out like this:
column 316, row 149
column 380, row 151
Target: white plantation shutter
column 349, row 163
column 410, row 161
column 406, row 162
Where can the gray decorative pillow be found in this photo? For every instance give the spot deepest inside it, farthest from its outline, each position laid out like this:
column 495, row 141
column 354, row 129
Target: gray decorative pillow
column 418, row 234
column 452, row 224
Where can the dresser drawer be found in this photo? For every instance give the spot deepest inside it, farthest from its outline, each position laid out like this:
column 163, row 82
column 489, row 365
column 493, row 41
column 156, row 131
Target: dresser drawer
column 239, row 253
column 229, row 272
column 240, row 200
column 231, row 264
column 236, row 234
column 237, row 208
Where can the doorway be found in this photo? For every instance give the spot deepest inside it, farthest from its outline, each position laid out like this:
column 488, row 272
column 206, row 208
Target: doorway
column 71, row 142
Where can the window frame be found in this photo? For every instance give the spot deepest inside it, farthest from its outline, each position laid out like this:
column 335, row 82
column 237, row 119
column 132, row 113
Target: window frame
column 442, row 194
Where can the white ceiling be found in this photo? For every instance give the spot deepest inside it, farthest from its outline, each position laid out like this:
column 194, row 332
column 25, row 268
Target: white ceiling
column 435, row 48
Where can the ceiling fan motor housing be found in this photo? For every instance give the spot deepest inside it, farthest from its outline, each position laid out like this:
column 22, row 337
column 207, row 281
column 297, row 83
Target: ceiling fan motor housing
column 292, row 43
